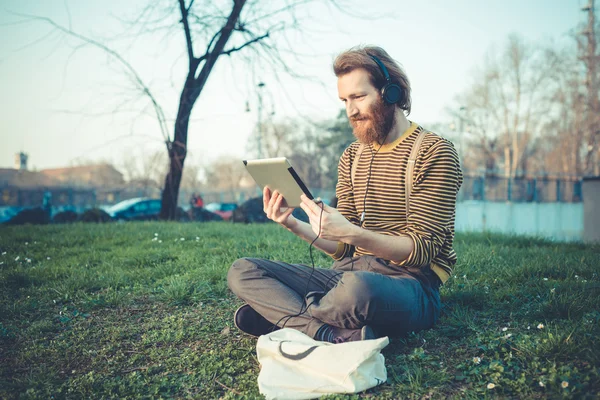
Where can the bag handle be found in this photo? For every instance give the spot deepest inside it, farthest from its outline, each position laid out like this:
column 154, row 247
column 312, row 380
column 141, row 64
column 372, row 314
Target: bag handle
column 410, row 167
column 294, row 357
column 355, row 160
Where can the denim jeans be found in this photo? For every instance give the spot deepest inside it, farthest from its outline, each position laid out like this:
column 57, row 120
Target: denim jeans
column 355, row 292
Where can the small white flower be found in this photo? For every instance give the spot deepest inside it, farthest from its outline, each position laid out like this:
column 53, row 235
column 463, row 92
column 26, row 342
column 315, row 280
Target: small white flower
column 197, row 238
column 17, row 259
column 504, row 329
column 155, row 234
column 542, row 384
column 564, row 384
column 528, row 327
column 182, row 239
column 507, row 335
column 28, row 260
column 576, row 276
column 490, row 385
column 553, row 290
column 54, row 301
column 476, row 360
column 26, row 243
column 540, row 326
column 1, row 262
column 3, row 253
column 464, row 276
column 160, row 241
column 47, row 258
column 545, row 279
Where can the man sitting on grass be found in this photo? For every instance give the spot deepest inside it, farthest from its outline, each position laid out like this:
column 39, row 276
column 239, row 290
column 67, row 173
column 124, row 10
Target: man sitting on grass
column 389, row 261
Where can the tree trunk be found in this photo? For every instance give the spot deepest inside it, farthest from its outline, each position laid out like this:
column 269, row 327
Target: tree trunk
column 177, row 152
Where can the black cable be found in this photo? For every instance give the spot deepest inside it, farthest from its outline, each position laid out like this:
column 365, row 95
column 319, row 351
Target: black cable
column 310, row 247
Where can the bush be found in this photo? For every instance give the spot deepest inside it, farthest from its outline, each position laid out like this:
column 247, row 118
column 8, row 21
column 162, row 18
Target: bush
column 34, row 216
column 65, row 217
column 95, row 215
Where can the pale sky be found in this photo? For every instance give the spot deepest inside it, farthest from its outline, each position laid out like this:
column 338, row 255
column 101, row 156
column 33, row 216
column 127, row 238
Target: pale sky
column 54, row 103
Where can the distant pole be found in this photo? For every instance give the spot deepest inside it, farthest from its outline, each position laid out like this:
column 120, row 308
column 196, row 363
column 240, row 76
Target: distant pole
column 260, row 127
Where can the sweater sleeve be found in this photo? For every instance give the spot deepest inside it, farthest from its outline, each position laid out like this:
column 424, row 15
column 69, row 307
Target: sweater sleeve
column 432, row 202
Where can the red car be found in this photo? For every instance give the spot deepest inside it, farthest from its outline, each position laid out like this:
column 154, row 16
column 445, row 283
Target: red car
column 225, row 210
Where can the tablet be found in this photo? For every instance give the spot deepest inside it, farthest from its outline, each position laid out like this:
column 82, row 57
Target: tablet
column 278, row 174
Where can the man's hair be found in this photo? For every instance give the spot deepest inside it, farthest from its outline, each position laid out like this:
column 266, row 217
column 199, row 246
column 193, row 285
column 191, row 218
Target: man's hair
column 360, row 57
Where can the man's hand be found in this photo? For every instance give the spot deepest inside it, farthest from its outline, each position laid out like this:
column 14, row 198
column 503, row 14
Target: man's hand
column 272, row 207
column 333, row 225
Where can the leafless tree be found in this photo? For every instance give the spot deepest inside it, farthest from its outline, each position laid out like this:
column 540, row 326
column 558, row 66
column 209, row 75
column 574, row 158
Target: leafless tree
column 225, row 173
column 257, row 32
column 504, row 106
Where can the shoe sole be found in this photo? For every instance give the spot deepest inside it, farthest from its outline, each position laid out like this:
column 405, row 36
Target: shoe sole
column 367, row 333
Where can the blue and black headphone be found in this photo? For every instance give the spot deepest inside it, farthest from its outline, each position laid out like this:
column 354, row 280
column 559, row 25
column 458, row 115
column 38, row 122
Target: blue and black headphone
column 391, row 92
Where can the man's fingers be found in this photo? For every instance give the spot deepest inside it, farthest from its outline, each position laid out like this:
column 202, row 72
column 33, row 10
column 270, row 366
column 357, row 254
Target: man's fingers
column 266, row 198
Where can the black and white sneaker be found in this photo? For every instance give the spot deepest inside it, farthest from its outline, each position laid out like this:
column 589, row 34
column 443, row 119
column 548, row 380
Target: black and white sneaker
column 247, row 320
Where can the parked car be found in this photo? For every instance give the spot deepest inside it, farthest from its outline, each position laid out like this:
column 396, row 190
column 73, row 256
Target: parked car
column 138, row 209
column 225, row 210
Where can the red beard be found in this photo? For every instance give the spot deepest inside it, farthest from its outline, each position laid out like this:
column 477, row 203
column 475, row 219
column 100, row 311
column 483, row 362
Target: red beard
column 375, row 125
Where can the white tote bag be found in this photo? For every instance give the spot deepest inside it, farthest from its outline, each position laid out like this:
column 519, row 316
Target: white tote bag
column 294, row 366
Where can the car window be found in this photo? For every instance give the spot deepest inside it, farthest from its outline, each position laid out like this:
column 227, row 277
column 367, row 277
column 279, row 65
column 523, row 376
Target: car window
column 155, row 205
column 143, row 206
column 228, row 207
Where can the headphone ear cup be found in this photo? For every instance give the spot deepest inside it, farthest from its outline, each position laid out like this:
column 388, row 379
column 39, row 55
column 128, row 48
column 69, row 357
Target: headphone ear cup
column 392, row 93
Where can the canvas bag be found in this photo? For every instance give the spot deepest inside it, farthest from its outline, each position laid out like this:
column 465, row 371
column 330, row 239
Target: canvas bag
column 295, row 366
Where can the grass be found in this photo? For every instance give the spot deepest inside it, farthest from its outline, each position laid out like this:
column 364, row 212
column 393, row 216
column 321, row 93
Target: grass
column 142, row 310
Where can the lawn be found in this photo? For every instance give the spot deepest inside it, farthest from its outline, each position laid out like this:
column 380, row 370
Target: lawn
column 142, row 310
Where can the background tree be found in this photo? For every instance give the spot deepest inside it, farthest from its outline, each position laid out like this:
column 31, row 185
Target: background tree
column 505, row 107
column 257, row 32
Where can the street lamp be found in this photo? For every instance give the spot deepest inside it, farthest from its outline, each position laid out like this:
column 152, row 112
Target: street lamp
column 259, row 124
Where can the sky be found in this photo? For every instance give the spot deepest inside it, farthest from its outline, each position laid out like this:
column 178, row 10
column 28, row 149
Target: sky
column 65, row 104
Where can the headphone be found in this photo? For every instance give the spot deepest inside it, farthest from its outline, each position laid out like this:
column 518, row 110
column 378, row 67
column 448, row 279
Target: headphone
column 391, row 92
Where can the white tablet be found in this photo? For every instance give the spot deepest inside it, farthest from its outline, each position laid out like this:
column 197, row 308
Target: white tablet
column 278, row 174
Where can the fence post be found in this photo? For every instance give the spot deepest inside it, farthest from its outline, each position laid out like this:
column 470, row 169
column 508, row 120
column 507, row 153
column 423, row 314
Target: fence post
column 483, row 188
column 557, row 191
column 509, row 190
column 535, row 195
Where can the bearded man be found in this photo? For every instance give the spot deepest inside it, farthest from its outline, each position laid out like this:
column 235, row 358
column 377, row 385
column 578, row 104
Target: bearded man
column 392, row 250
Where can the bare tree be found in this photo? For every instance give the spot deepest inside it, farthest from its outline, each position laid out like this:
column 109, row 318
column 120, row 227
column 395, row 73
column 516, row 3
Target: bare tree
column 225, row 173
column 505, row 107
column 254, row 30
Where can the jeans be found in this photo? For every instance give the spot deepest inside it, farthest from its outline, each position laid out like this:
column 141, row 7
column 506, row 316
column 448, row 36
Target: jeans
column 355, row 292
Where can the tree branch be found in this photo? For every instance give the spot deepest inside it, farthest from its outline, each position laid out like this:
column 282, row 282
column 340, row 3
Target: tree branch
column 137, row 79
column 234, row 49
column 186, row 28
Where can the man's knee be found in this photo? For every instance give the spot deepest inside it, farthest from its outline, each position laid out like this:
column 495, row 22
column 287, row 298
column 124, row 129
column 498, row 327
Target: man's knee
column 235, row 275
column 357, row 287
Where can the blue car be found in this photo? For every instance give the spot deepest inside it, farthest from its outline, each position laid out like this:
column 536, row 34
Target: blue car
column 138, row 209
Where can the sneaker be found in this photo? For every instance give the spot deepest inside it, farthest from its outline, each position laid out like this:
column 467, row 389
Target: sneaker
column 353, row 335
column 247, row 320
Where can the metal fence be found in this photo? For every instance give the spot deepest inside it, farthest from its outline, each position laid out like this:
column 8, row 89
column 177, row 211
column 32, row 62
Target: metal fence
column 490, row 188
column 535, row 189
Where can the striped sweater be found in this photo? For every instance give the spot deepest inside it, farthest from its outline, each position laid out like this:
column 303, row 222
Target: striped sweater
column 436, row 180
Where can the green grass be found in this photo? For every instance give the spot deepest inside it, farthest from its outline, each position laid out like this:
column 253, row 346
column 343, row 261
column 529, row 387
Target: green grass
column 107, row 311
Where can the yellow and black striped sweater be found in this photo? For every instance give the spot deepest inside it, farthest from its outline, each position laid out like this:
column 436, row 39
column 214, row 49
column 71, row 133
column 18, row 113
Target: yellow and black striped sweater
column 436, row 180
